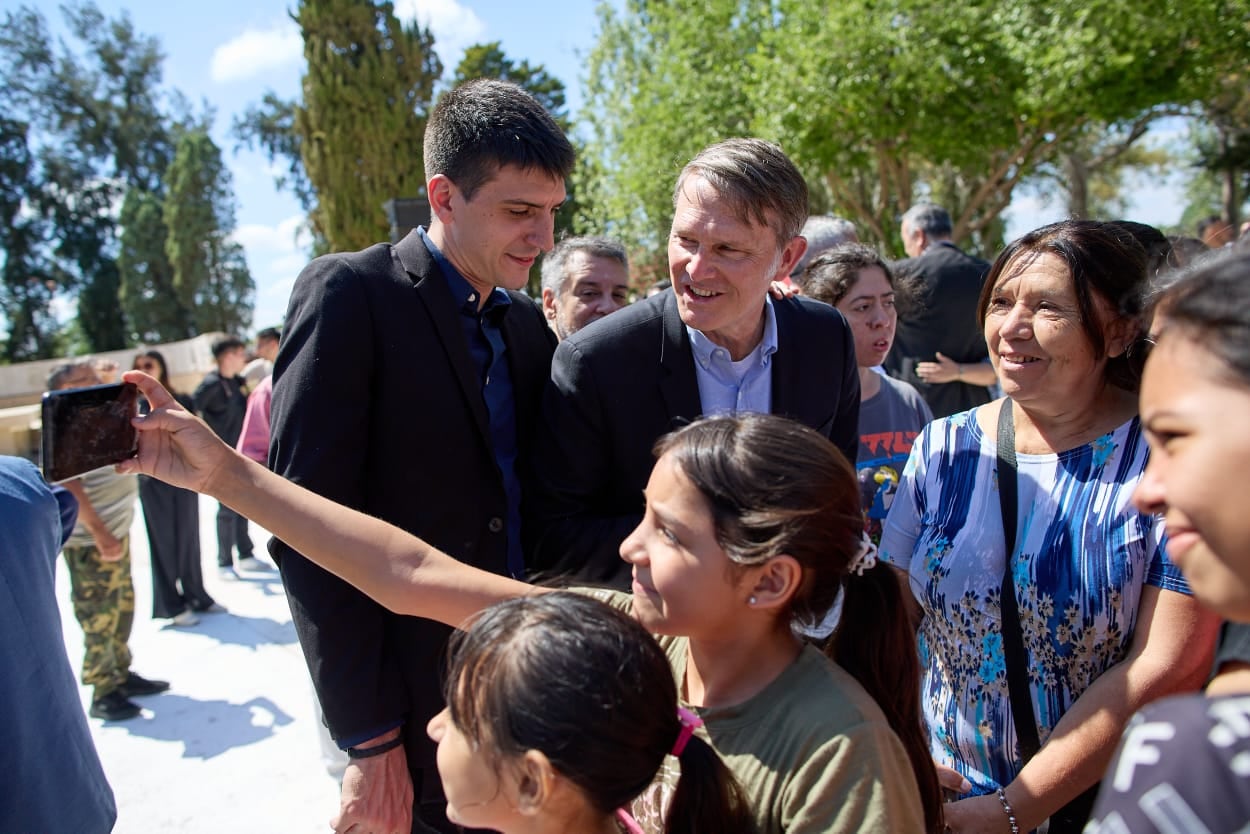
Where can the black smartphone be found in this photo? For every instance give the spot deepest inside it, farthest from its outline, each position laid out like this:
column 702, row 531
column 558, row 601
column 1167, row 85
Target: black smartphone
column 86, row 428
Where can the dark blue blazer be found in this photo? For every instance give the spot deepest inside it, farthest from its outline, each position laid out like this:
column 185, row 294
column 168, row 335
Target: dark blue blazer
column 622, row 382
column 377, row 405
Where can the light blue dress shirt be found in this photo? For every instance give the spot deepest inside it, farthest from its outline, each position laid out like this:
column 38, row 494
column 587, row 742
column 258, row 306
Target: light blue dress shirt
column 726, row 386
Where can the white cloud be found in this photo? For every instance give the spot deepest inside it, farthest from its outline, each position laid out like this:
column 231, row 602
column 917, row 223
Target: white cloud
column 286, row 237
column 257, row 51
column 275, row 255
column 454, row 26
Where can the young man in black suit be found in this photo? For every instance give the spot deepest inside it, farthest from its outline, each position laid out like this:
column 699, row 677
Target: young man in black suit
column 713, row 343
column 407, row 386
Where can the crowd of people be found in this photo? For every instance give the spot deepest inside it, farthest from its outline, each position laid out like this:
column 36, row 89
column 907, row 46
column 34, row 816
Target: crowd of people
column 806, row 541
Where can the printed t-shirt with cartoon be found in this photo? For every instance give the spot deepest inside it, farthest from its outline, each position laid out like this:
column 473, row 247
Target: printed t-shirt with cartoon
column 812, row 751
column 1086, row 554
column 888, row 424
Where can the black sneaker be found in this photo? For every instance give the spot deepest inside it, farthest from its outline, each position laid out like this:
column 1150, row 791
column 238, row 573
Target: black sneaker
column 114, row 706
column 138, row 685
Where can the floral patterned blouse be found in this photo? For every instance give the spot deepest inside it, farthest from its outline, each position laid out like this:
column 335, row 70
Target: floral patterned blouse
column 1082, row 557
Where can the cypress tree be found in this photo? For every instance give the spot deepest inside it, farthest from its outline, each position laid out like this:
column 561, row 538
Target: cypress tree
column 367, row 92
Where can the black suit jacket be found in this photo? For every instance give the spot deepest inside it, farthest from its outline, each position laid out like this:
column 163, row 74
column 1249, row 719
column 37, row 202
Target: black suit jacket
column 377, row 405
column 622, row 382
column 939, row 313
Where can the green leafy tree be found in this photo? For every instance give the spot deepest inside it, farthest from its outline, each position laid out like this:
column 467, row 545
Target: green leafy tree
column 487, row 60
column 367, row 91
column 353, row 141
column 28, row 279
column 664, row 80
column 882, row 102
column 1223, row 143
column 154, row 309
column 210, row 276
column 98, row 127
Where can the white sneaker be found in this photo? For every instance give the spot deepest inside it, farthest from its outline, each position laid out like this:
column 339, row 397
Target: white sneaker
column 253, row 565
column 185, row 619
column 227, row 573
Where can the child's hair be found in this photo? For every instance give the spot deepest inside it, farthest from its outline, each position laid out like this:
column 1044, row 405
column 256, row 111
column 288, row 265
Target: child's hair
column 587, row 686
column 777, row 487
column 1211, row 306
column 833, row 274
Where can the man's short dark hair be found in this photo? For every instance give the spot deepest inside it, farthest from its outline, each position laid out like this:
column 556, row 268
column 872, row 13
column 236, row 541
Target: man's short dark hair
column 269, row 334
column 757, row 180
column 931, row 219
column 597, row 247
column 227, row 343
column 485, row 124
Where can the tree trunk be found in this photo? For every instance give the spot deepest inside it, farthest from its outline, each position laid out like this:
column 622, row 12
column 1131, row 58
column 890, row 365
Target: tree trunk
column 1076, row 172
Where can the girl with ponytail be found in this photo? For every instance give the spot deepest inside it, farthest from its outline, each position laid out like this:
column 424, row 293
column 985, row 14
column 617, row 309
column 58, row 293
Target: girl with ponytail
column 560, row 711
column 752, row 530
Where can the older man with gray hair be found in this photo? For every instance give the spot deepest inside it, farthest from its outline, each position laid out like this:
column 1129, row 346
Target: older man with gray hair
column 715, row 343
column 938, row 345
column 823, row 232
column 584, row 279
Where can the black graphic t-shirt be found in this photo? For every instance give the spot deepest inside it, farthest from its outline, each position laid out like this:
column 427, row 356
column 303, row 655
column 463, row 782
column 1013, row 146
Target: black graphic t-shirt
column 1183, row 766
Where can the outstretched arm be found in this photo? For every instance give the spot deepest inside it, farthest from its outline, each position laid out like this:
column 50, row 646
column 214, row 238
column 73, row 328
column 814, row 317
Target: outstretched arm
column 397, row 569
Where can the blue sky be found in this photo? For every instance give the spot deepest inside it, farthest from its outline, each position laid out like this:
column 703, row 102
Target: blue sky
column 229, row 53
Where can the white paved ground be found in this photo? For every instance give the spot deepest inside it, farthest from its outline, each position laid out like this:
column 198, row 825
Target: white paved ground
column 231, row 747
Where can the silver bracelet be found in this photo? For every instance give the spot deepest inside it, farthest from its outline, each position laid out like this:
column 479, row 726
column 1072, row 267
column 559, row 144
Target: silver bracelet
column 1007, row 809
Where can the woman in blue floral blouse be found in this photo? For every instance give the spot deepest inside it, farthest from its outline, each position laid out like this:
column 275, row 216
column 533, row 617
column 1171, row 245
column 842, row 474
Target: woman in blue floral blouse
column 1107, row 621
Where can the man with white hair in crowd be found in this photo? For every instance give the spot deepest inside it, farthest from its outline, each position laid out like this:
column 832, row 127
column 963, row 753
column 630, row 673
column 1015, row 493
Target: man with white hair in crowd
column 823, row 232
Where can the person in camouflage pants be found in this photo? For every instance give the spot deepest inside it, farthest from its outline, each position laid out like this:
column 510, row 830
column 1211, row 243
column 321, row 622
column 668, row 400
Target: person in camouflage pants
column 97, row 555
column 104, row 605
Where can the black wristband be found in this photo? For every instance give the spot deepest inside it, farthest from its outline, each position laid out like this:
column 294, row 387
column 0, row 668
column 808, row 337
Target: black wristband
column 376, row 750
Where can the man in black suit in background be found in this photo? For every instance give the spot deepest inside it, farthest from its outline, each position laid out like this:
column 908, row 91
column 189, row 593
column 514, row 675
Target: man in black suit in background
column 407, row 386
column 714, row 343
column 937, row 321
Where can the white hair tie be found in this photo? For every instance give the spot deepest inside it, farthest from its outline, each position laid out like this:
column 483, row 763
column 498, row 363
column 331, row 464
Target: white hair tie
column 866, row 558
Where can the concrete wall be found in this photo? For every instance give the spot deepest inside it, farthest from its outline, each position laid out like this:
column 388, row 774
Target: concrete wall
column 22, row 387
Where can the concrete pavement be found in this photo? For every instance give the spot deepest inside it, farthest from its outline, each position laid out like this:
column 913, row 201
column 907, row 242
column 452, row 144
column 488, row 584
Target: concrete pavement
column 232, row 746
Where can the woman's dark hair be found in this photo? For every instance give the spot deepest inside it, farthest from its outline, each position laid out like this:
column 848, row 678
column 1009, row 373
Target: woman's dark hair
column 1105, row 263
column 163, row 376
column 1210, row 305
column 1160, row 259
column 777, row 487
column 587, row 686
column 831, row 276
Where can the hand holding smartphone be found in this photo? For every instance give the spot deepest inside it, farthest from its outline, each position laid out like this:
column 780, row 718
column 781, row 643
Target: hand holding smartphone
column 86, row 428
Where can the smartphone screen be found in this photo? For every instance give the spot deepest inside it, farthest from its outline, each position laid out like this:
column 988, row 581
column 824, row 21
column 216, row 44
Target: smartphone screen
column 86, row 428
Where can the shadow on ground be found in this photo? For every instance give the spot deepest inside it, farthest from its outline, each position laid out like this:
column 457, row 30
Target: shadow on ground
column 206, row 728
column 238, row 630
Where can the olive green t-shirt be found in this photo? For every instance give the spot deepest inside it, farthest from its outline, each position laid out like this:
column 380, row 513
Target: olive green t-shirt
column 812, row 752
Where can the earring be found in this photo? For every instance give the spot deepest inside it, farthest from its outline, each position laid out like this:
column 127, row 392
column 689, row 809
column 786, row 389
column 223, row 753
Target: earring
column 751, row 600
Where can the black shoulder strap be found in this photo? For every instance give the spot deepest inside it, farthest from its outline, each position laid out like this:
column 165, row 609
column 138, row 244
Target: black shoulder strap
column 1013, row 638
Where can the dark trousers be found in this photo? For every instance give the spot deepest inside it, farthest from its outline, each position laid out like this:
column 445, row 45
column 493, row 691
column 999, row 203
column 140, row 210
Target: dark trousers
column 172, row 518
column 231, row 534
